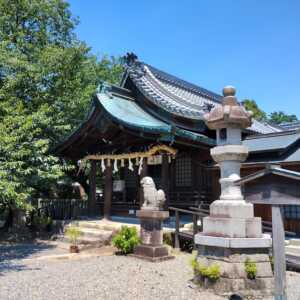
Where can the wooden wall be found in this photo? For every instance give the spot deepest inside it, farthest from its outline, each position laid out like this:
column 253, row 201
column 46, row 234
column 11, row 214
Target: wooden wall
column 260, row 210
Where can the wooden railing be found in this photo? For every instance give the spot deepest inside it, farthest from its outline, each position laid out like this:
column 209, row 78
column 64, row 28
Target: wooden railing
column 196, row 215
column 63, row 209
column 192, row 198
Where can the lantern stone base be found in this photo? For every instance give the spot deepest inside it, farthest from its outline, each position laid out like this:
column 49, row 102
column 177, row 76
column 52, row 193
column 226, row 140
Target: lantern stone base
column 233, row 276
column 152, row 247
column 232, row 227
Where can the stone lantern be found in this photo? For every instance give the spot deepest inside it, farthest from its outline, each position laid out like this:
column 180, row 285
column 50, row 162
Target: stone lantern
column 231, row 234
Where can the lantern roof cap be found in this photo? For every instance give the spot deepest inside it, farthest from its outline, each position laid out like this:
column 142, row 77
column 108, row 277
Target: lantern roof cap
column 230, row 114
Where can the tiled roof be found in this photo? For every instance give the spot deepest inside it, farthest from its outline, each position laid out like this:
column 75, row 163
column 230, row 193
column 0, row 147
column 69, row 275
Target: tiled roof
column 180, row 97
column 290, row 125
column 263, row 127
column 128, row 113
column 271, row 142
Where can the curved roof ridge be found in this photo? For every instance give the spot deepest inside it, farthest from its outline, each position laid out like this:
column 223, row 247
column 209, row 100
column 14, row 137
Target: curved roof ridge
column 158, row 97
column 185, row 84
column 175, row 96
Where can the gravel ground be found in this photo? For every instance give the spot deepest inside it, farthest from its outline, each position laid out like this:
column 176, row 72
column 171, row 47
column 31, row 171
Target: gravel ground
column 109, row 277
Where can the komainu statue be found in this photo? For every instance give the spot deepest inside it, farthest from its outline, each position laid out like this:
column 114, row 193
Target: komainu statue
column 153, row 199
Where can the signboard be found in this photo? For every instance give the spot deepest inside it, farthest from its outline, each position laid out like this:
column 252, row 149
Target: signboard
column 154, row 160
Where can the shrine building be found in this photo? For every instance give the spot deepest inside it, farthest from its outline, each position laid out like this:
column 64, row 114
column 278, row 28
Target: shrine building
column 151, row 109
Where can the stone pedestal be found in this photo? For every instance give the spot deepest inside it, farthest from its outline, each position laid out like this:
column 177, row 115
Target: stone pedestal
column 152, row 247
column 234, row 278
column 231, row 234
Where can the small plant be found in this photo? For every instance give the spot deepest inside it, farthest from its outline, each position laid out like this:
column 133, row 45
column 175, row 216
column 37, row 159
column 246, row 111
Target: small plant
column 272, row 262
column 167, row 238
column 73, row 233
column 194, row 264
column 211, row 272
column 250, row 269
column 126, row 239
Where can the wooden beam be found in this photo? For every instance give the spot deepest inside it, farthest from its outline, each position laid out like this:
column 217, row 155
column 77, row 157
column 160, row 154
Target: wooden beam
column 92, row 191
column 144, row 173
column 108, row 192
column 165, row 177
column 279, row 253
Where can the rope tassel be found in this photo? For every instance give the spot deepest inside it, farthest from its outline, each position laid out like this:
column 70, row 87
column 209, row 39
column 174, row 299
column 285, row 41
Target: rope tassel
column 102, row 165
column 140, row 166
column 122, row 163
column 130, row 165
column 115, row 166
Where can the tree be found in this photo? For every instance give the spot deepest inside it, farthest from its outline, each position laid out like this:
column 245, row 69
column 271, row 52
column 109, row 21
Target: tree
column 280, row 117
column 258, row 114
column 47, row 78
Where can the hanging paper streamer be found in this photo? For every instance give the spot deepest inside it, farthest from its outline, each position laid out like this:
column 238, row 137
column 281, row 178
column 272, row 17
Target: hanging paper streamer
column 169, row 159
column 108, row 163
column 102, row 165
column 130, row 165
column 137, row 161
column 115, row 166
column 122, row 163
column 140, row 166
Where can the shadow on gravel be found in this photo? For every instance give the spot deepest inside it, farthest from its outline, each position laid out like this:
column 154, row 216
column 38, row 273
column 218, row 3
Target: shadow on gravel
column 11, row 254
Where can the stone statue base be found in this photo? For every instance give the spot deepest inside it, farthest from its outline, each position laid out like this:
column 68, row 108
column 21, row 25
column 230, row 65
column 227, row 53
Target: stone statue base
column 233, row 278
column 152, row 248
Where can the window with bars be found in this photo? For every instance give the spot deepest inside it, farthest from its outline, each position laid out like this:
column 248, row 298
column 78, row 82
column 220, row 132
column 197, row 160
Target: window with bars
column 183, row 171
column 291, row 211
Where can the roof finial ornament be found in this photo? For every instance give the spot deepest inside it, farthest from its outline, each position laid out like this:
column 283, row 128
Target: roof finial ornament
column 130, row 58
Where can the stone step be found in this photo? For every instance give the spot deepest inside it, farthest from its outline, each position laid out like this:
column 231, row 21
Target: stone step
column 293, row 250
column 86, row 240
column 96, row 233
column 92, row 225
column 294, row 242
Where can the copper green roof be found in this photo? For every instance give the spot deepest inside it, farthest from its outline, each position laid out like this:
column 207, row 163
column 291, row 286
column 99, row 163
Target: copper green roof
column 128, row 113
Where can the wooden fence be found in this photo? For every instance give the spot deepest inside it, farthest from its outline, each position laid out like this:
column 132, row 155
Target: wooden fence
column 63, row 209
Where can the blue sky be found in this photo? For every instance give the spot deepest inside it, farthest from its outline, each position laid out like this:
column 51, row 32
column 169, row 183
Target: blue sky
column 251, row 44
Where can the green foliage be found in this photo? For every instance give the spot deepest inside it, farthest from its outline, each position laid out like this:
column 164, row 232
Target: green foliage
column 280, row 117
column 47, row 78
column 42, row 222
column 258, row 114
column 250, row 269
column 272, row 262
column 211, row 272
column 167, row 238
column 275, row 117
column 126, row 239
column 73, row 233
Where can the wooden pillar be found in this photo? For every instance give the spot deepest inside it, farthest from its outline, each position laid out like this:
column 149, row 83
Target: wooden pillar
column 165, row 178
column 108, row 192
column 144, row 173
column 279, row 253
column 92, row 191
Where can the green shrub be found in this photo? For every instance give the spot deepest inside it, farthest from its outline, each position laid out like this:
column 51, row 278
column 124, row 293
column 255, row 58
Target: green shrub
column 194, row 264
column 126, row 239
column 167, row 238
column 73, row 233
column 211, row 272
column 250, row 269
